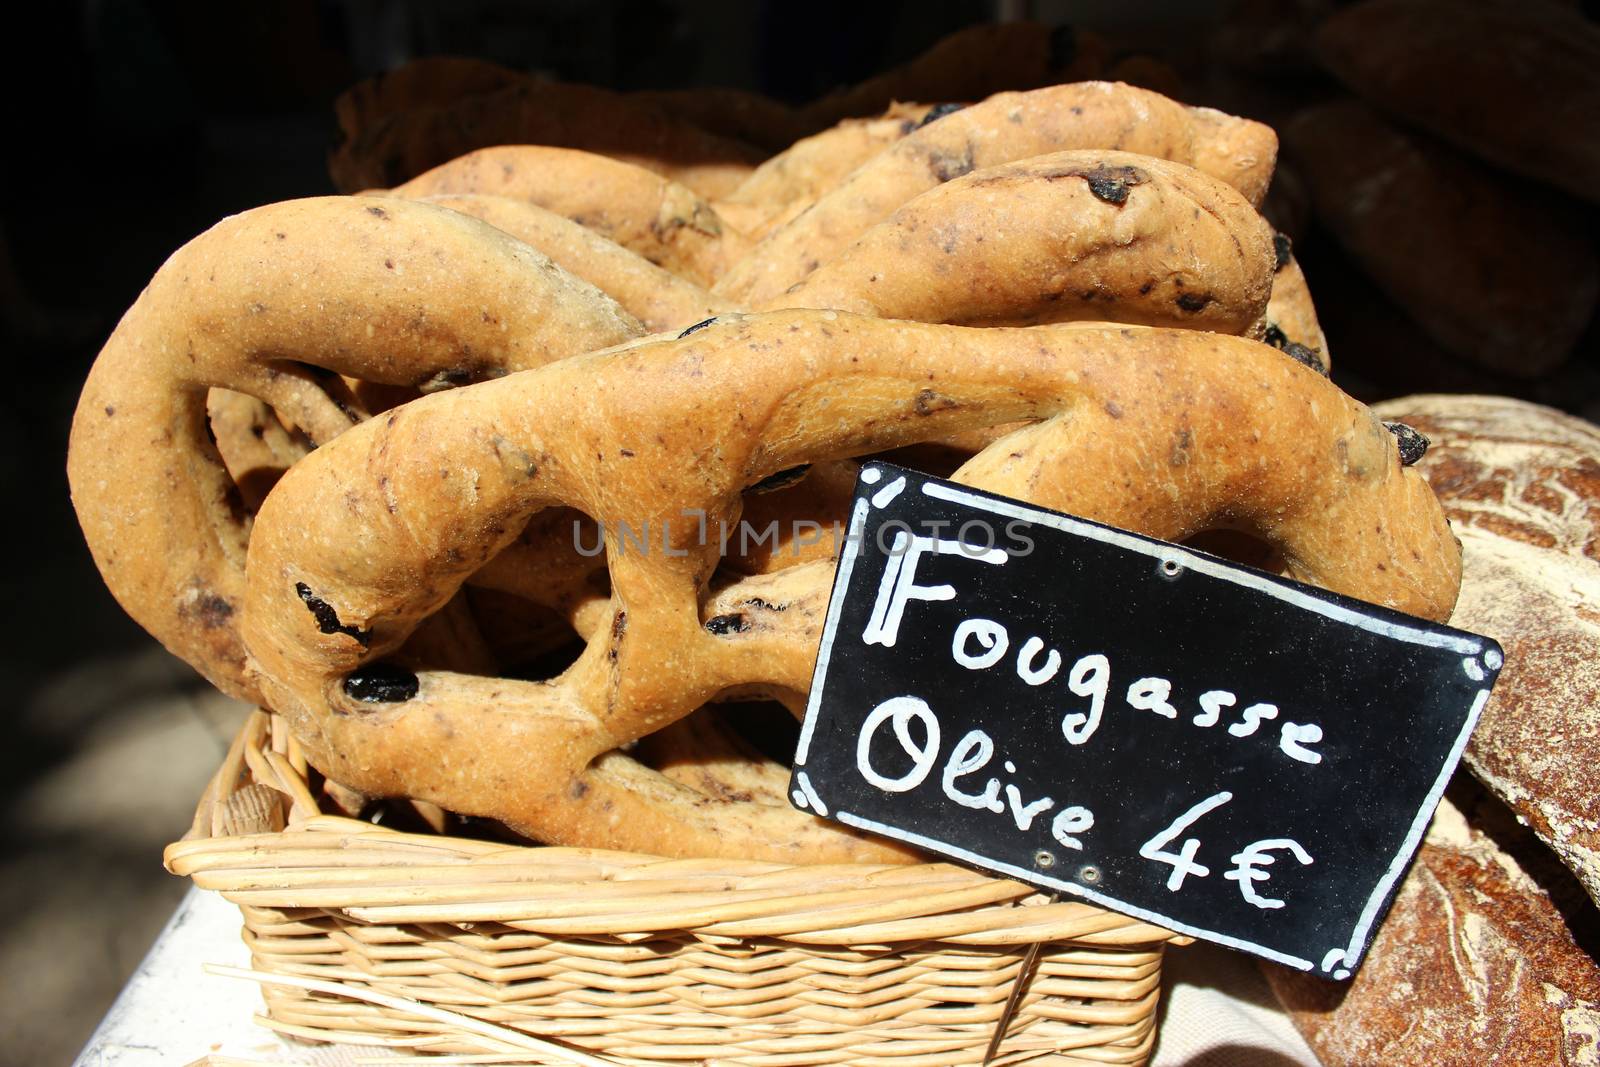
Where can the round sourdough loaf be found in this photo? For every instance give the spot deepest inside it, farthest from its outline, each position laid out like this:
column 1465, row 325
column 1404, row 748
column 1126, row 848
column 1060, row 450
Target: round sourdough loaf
column 1474, row 965
column 1521, row 485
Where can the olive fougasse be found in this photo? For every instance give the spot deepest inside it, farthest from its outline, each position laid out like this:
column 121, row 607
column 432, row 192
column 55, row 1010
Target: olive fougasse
column 742, row 344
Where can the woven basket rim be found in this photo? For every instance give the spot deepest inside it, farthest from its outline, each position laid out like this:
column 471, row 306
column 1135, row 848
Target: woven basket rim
column 305, row 858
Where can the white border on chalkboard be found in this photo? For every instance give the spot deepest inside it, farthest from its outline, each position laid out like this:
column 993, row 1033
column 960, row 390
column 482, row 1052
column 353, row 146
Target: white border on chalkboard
column 1204, row 565
column 830, row 626
column 1419, row 826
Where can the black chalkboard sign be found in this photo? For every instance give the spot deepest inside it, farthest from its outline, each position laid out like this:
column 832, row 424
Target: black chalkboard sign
column 1229, row 754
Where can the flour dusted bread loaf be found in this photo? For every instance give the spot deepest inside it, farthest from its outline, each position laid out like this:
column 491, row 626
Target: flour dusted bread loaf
column 431, row 491
column 1521, row 485
column 152, row 494
column 1474, row 966
column 1494, row 270
column 1517, row 84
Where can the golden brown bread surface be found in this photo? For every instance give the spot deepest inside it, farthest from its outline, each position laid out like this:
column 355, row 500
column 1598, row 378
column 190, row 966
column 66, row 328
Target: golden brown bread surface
column 1002, row 129
column 253, row 443
column 792, row 180
column 558, row 114
column 268, row 303
column 1492, row 269
column 638, row 209
column 659, row 299
column 1164, row 431
column 1513, row 83
column 1521, row 484
column 1473, row 966
column 1108, row 236
column 1291, row 312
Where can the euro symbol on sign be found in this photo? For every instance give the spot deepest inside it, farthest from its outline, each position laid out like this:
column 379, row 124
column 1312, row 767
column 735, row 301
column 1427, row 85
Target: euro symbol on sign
column 1247, row 864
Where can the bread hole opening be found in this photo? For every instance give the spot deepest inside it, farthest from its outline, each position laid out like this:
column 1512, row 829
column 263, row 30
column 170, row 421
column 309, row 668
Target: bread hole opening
column 764, row 725
column 255, row 444
column 735, row 751
column 530, row 642
column 800, row 521
column 1238, row 546
column 943, row 457
column 542, row 597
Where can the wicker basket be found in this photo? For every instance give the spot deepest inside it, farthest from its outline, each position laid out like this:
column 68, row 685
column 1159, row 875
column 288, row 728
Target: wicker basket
column 416, row 941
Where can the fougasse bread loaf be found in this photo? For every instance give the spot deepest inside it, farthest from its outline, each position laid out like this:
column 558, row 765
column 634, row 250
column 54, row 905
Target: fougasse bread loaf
column 1109, row 236
column 561, row 114
column 659, row 219
column 340, row 602
column 1521, row 485
column 1517, row 84
column 1473, row 966
column 1002, row 129
column 792, row 180
column 163, row 523
column 972, row 64
column 1494, row 270
column 659, row 299
column 1243, row 435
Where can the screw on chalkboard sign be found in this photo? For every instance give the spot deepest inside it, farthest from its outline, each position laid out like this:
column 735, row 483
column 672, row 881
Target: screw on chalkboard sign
column 1225, row 753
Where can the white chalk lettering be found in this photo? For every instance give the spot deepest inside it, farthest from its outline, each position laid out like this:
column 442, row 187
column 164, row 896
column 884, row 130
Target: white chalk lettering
column 983, row 527
column 1151, row 694
column 1025, row 669
column 991, row 636
column 1068, row 823
column 898, row 585
column 1182, row 861
column 1253, row 717
column 1211, row 705
column 1293, row 737
column 1090, row 677
column 972, row 753
column 900, row 711
column 1247, row 864
column 1023, row 814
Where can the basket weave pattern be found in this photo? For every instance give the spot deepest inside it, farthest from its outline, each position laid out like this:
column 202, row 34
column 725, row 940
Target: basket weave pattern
column 641, row 959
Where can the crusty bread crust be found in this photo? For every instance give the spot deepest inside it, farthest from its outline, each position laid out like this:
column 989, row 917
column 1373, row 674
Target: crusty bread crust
column 1474, row 965
column 1521, row 483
